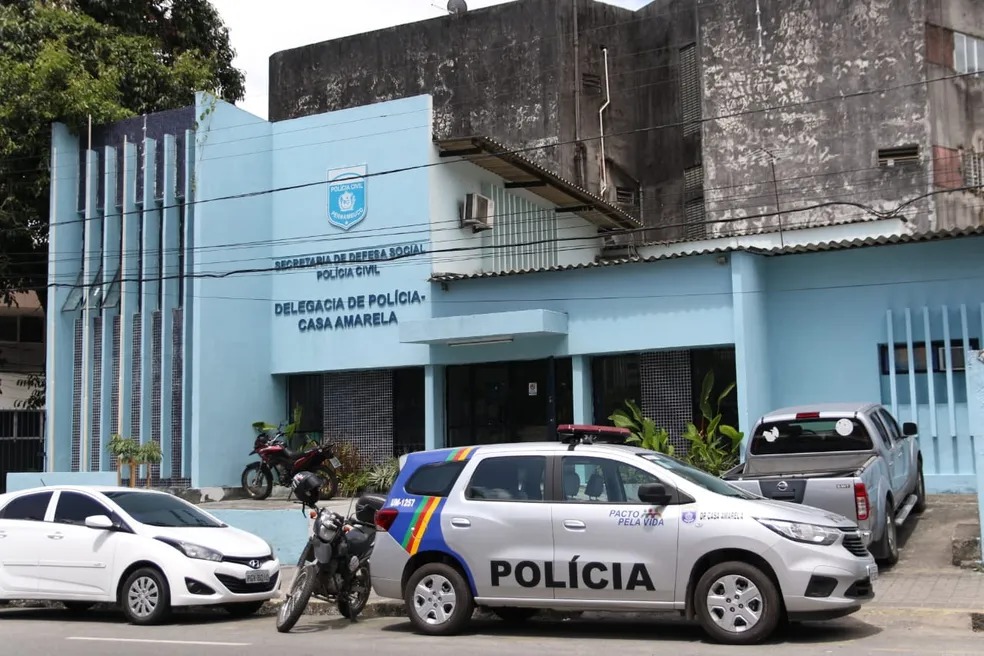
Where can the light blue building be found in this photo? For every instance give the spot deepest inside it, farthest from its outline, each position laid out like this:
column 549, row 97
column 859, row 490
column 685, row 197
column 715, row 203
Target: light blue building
column 210, row 269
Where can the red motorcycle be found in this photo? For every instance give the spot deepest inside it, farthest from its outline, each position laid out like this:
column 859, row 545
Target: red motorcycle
column 278, row 461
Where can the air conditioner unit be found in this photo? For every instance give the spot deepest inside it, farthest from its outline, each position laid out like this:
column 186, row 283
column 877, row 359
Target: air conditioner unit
column 477, row 212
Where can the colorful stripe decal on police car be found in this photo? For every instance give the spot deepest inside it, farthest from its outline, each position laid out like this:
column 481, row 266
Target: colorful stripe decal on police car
column 461, row 454
column 418, row 524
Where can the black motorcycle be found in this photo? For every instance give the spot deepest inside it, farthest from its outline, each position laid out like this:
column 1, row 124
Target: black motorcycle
column 334, row 565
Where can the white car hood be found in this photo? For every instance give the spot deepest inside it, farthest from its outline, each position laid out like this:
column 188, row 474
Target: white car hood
column 228, row 541
column 794, row 512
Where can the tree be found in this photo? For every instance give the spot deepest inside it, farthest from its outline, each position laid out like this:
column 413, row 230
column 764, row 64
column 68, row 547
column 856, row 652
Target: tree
column 72, row 60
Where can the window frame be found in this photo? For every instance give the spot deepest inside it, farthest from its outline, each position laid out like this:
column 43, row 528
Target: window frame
column 548, row 487
column 676, row 498
column 40, row 493
column 108, row 512
column 460, row 464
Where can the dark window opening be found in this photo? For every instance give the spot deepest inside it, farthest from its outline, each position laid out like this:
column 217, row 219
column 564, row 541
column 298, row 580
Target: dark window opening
column 810, row 436
column 690, row 109
column 408, row 410
column 615, row 379
column 899, row 155
column 921, row 362
column 724, row 365
column 32, row 329
column 30, row 507
column 308, row 392
column 508, row 478
column 74, row 508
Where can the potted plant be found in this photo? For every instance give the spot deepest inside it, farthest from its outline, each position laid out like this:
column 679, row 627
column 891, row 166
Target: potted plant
column 149, row 453
column 124, row 449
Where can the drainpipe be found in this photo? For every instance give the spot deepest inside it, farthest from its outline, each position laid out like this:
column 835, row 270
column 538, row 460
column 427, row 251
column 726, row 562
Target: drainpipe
column 577, row 77
column 601, row 124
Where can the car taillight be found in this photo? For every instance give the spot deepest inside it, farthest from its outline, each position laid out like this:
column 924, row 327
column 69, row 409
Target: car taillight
column 807, row 415
column 384, row 518
column 861, row 503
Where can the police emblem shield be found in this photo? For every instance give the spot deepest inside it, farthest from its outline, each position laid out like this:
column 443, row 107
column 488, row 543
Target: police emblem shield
column 347, row 196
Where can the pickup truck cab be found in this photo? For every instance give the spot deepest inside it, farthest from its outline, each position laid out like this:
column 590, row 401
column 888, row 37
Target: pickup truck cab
column 588, row 526
column 848, row 458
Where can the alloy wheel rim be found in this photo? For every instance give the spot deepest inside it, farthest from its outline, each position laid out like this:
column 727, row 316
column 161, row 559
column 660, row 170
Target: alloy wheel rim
column 434, row 599
column 735, row 603
column 143, row 597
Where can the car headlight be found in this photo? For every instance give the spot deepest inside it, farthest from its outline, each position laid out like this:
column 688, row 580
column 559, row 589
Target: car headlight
column 192, row 550
column 808, row 533
column 326, row 527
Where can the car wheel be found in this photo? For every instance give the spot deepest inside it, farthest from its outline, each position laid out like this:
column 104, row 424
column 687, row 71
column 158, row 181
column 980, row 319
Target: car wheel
column 737, row 603
column 438, row 599
column 888, row 546
column 243, row 609
column 145, row 597
column 78, row 606
column 920, row 506
column 514, row 615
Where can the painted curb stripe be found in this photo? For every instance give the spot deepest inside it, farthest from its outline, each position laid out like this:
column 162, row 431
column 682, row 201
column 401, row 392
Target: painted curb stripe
column 428, row 513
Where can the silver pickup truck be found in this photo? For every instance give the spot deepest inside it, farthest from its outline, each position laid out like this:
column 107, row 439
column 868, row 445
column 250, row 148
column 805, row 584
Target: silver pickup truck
column 849, row 459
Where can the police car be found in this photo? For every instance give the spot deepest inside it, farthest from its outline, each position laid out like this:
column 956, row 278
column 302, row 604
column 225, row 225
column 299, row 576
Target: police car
column 590, row 525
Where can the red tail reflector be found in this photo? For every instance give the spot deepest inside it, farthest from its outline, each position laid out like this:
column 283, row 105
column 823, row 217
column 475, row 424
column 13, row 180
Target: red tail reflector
column 384, row 518
column 807, row 415
column 861, row 502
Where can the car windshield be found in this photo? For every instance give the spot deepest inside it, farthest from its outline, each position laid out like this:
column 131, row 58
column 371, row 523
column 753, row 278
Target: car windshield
column 698, row 477
column 162, row 510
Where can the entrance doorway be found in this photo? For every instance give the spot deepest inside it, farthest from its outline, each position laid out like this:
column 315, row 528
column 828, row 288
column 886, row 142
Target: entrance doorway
column 500, row 402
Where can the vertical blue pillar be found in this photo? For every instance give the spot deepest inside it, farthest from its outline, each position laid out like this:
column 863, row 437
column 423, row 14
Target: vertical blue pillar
column 150, row 244
column 748, row 297
column 581, row 388
column 435, row 424
column 975, row 406
column 110, row 269
column 129, row 285
column 64, row 265
column 188, row 304
column 90, row 301
column 169, row 299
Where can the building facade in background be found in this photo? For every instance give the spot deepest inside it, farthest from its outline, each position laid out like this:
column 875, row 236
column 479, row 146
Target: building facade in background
column 426, row 245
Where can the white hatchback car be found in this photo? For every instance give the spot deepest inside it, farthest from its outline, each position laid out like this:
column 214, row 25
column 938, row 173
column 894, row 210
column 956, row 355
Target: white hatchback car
column 147, row 551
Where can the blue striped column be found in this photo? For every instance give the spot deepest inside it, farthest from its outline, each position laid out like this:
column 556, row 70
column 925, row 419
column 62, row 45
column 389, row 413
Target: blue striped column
column 129, row 286
column 149, row 286
column 110, row 269
column 169, row 299
column 90, row 272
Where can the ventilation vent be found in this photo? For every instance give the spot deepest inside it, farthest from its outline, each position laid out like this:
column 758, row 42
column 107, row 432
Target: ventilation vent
column 625, row 196
column 591, row 82
column 898, row 156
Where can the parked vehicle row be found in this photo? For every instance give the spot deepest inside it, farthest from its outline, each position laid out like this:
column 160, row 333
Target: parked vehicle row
column 280, row 464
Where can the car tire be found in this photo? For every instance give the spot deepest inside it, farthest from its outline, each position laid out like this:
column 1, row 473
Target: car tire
column 439, row 600
column 265, row 487
column 78, row 606
column 145, row 597
column 720, row 599
column 920, row 506
column 888, row 546
column 514, row 614
column 243, row 608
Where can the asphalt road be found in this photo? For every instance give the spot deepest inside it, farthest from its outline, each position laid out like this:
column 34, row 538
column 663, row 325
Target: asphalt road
column 43, row 632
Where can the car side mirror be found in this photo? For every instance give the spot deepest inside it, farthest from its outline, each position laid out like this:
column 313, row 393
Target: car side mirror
column 909, row 429
column 99, row 522
column 655, row 494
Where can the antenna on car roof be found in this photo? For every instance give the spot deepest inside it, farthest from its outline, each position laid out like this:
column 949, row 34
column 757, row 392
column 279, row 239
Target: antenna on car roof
column 575, row 434
column 43, row 484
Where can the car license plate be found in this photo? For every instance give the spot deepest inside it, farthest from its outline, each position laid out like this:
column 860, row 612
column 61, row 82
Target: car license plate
column 258, row 576
column 336, row 463
column 873, row 572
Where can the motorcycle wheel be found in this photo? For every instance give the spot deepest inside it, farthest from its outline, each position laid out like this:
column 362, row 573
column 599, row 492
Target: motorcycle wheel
column 297, row 598
column 330, row 488
column 356, row 597
column 262, row 484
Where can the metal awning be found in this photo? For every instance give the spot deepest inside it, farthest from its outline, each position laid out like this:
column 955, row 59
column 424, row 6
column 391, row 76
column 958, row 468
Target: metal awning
column 482, row 329
column 520, row 172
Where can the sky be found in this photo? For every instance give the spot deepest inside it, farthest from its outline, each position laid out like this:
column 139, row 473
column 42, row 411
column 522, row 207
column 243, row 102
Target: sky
column 257, row 32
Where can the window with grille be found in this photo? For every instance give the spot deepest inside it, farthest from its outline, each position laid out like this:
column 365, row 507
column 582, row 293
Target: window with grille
column 689, row 90
column 973, row 169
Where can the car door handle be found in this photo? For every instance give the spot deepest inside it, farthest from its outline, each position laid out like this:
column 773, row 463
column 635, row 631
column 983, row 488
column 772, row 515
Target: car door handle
column 575, row 524
column 55, row 536
column 3, row 534
column 460, row 522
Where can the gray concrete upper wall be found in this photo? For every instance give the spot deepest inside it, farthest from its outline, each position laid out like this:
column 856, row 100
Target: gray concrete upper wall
column 807, row 54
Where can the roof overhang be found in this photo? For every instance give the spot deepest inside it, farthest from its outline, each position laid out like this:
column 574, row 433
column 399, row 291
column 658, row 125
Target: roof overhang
column 521, row 173
column 480, row 329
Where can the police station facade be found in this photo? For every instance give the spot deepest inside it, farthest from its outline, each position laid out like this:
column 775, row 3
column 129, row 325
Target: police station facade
column 210, row 269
